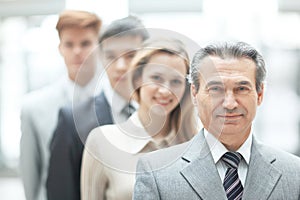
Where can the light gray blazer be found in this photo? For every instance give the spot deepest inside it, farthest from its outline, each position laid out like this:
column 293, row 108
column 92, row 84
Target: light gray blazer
column 38, row 119
column 187, row 171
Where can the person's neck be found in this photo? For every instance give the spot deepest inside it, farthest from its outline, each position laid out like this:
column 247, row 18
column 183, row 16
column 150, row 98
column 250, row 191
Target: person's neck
column 156, row 125
column 126, row 93
column 81, row 82
column 231, row 141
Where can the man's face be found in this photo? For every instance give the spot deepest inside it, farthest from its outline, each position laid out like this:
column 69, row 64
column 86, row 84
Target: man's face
column 227, row 98
column 76, row 46
column 117, row 54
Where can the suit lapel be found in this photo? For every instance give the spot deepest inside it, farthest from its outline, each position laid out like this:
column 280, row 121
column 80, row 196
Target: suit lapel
column 203, row 177
column 103, row 110
column 92, row 113
column 201, row 173
column 262, row 177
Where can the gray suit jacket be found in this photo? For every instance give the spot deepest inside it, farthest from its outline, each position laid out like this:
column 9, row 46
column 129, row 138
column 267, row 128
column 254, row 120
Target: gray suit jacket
column 38, row 120
column 187, row 171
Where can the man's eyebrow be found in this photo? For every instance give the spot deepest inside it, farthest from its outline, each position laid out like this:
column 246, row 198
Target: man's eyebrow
column 210, row 83
column 244, row 83
column 108, row 52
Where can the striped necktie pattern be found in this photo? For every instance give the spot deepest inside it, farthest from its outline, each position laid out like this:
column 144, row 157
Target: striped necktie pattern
column 128, row 110
column 232, row 184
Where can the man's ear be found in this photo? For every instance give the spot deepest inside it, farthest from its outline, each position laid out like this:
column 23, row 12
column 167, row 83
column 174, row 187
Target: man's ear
column 194, row 94
column 260, row 94
column 60, row 49
column 193, row 90
column 101, row 53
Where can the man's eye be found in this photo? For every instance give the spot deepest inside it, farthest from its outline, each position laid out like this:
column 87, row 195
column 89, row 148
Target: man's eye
column 215, row 90
column 68, row 45
column 86, row 44
column 242, row 90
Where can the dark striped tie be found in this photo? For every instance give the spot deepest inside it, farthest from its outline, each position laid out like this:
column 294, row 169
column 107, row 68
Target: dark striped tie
column 232, row 184
column 128, row 110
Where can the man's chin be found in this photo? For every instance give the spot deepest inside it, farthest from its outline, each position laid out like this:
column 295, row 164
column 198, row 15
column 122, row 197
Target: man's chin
column 225, row 129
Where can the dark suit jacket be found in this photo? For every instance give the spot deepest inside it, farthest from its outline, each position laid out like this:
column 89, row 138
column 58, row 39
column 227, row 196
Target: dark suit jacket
column 67, row 145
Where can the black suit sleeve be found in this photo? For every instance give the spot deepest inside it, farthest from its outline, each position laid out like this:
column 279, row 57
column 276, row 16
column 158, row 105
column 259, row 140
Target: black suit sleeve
column 63, row 181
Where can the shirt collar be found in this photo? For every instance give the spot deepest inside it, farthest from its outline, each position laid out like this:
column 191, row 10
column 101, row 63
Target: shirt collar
column 77, row 93
column 217, row 149
column 141, row 142
column 116, row 101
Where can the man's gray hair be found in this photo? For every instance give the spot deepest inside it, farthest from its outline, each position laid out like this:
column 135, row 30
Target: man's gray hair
column 229, row 50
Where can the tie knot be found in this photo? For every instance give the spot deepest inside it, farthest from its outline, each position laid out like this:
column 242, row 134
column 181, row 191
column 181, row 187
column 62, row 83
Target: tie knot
column 232, row 159
column 128, row 109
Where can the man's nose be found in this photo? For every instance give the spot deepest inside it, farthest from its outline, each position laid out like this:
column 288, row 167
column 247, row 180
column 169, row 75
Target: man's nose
column 230, row 101
column 77, row 50
column 121, row 63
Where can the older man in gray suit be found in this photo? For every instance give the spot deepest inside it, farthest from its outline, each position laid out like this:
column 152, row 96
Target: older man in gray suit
column 224, row 160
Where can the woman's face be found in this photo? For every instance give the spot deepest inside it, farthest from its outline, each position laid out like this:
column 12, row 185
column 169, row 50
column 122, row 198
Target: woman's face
column 162, row 83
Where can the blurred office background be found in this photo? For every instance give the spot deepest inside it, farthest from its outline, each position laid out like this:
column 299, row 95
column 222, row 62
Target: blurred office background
column 29, row 57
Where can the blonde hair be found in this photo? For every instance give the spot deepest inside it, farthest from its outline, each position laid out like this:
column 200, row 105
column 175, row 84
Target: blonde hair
column 78, row 19
column 182, row 118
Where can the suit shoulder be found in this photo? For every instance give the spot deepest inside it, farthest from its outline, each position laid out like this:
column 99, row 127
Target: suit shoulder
column 89, row 106
column 101, row 131
column 282, row 159
column 170, row 150
column 70, row 114
column 162, row 158
column 287, row 158
column 95, row 139
column 37, row 99
column 84, row 105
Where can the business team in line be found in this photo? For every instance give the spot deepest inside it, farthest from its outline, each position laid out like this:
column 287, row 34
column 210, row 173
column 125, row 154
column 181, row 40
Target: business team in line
column 90, row 150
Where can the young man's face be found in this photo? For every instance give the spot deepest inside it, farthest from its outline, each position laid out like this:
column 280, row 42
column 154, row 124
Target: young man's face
column 117, row 54
column 76, row 46
column 227, row 98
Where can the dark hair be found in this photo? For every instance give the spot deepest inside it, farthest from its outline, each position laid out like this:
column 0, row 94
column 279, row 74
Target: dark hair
column 229, row 50
column 128, row 26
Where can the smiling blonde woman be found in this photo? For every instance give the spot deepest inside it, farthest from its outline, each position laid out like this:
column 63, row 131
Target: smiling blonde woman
column 165, row 117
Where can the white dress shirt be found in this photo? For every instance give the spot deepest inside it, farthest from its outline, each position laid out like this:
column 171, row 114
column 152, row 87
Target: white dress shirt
column 77, row 93
column 116, row 102
column 217, row 150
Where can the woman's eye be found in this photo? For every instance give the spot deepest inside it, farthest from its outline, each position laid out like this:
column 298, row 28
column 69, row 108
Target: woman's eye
column 110, row 57
column 176, row 82
column 156, row 78
column 130, row 55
